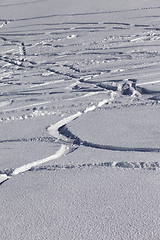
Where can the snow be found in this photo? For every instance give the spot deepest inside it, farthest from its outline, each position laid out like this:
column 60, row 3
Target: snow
column 28, row 166
column 94, row 203
column 141, row 127
column 79, row 119
column 53, row 129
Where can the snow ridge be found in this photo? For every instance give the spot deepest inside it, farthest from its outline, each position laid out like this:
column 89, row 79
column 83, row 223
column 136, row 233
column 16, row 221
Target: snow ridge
column 33, row 167
column 121, row 165
column 7, row 174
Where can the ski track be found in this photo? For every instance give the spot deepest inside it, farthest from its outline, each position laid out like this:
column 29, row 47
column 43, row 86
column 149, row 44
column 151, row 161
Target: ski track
column 121, row 165
column 60, row 132
column 84, row 67
column 88, row 13
column 17, row 4
column 8, row 174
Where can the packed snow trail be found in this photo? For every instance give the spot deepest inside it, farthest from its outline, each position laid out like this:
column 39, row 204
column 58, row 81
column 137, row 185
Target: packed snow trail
column 70, row 142
column 26, row 167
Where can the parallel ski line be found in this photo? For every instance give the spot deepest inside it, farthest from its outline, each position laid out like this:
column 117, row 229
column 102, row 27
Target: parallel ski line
column 31, row 105
column 146, row 83
column 121, row 165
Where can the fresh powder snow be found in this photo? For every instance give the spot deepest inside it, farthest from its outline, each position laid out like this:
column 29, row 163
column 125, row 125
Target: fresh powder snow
column 79, row 119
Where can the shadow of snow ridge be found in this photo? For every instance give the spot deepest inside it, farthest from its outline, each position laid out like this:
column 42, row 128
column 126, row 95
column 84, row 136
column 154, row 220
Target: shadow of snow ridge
column 77, row 141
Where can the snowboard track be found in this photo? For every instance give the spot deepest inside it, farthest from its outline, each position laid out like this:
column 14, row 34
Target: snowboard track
column 91, row 72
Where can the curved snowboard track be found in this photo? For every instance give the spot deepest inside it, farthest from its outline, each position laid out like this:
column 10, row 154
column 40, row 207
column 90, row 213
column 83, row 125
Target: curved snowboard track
column 62, row 133
column 9, row 173
column 70, row 142
column 19, row 58
column 77, row 141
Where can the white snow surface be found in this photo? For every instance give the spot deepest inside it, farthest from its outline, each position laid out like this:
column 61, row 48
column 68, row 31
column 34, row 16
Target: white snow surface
column 79, row 119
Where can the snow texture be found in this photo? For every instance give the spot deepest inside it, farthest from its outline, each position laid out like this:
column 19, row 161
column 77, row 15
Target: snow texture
column 79, row 119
